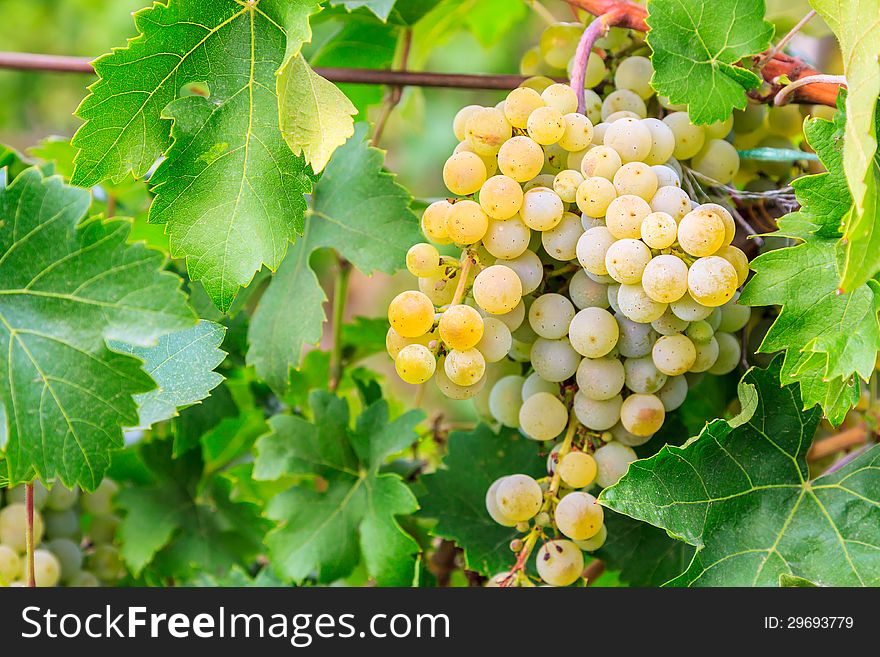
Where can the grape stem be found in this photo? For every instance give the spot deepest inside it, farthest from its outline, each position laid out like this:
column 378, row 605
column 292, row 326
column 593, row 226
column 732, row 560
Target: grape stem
column 766, row 56
column 536, row 531
column 542, row 11
column 857, row 435
column 594, row 31
column 395, row 92
column 340, row 293
column 781, row 97
column 29, row 533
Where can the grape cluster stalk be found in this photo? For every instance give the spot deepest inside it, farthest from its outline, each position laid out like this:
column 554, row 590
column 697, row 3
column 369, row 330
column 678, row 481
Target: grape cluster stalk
column 74, row 535
column 592, row 292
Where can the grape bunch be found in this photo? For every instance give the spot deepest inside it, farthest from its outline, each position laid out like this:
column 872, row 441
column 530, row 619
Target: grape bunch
column 64, row 554
column 591, row 292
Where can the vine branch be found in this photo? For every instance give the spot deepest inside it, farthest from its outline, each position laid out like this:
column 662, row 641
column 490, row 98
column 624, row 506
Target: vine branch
column 340, row 294
column 29, row 533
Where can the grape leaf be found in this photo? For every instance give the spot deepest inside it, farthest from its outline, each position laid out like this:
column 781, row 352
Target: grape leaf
column 645, row 555
column 182, row 365
column 840, row 329
column 69, row 286
column 740, row 493
column 456, row 493
column 350, row 516
column 363, row 213
column 229, row 190
column 695, row 46
column 315, row 114
column 180, row 524
column 857, row 29
column 381, row 8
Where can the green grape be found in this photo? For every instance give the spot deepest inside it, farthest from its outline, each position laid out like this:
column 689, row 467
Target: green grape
column 587, row 293
column 729, row 352
column 560, row 242
column 85, row 579
column 749, row 119
column 101, row 501
column 707, row 354
column 717, row 160
column 689, row 138
column 10, row 565
column 103, row 528
column 69, row 556
column 733, row 317
column 597, row 414
column 593, row 332
column 505, row 400
column 674, row 354
column 496, row 341
column 106, row 563
column 62, row 524
column 559, row 42
column 601, row 378
column 559, row 562
column 554, row 360
column 47, row 569
column 13, row 526
column 550, row 315
column 673, row 393
column 61, row 498
column 594, row 542
column 634, row 73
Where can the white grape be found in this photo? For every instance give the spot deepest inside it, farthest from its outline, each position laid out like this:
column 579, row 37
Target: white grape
column 587, row 293
column 512, row 319
column 597, row 414
column 673, row 201
column 594, row 542
column 464, row 173
column 738, row 259
column 521, row 158
column 497, row 289
column 689, row 138
column 636, row 339
column 629, row 138
column 554, row 360
column 636, row 305
column 559, row 562
column 542, row 416
column 642, row 415
column 560, row 242
column 560, row 96
column 689, row 310
column 542, row 209
column 665, row 279
column 594, row 195
column 626, row 259
column 501, row 197
column 507, row 238
column 669, row 324
column 566, row 184
column 701, row 232
column 624, row 437
column 612, row 460
column 578, row 133
column 487, row 129
column 505, row 400
column 666, row 176
column 519, row 497
column 492, row 505
column 592, row 247
column 550, row 315
column 460, row 120
column 535, row 384
column 642, row 375
column 623, row 99
column 453, row 390
column 579, row 516
column 602, row 162
column 636, row 178
column 634, row 73
column 520, row 103
column 592, row 101
column 546, row 125
column 496, row 341
column 13, row 525
column 707, row 354
column 717, row 160
column 600, row 378
column 463, row 367
column 729, row 353
column 673, row 393
column 625, row 214
column 593, row 332
column 577, row 469
column 528, row 267
column 658, row 230
column 47, row 569
column 613, row 290
column 674, row 354
column 726, row 217
column 662, row 142
column 712, row 281
column 733, row 316
column 10, row 565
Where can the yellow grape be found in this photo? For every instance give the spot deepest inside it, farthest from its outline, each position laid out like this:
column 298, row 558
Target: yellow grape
column 579, row 516
column 466, row 222
column 542, row 209
column 521, row 158
column 601, row 161
column 726, row 217
column 625, row 214
column 546, row 125
column 460, row 121
column 701, row 232
column 658, row 230
column 461, row 327
column 577, row 469
column 415, row 364
column 578, row 133
column 594, row 195
column 501, row 197
column 738, row 259
column 434, row 222
column 487, row 129
column 422, row 260
column 561, row 97
column 712, row 281
column 636, row 178
column 394, row 342
column 452, row 390
column 465, row 367
column 520, row 103
column 464, row 173
column 508, row 238
column 566, row 184
column 490, row 161
column 497, row 289
column 642, row 414
column 411, row 314
column 689, row 138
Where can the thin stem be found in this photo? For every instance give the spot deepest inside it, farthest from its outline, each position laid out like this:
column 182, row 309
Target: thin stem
column 838, row 442
column 392, row 98
column 595, row 30
column 847, row 458
column 29, row 533
column 789, row 89
column 542, row 11
column 532, row 538
column 593, row 571
column 467, row 261
column 340, row 293
column 771, row 53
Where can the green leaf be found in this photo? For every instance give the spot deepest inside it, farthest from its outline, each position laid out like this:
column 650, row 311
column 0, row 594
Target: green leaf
column 350, row 513
column 381, row 8
column 858, row 33
column 359, row 210
column 456, row 493
column 229, row 190
column 696, row 45
column 740, row 493
column 182, row 365
column 315, row 114
column 69, row 286
column 181, row 525
column 828, row 337
column 644, row 554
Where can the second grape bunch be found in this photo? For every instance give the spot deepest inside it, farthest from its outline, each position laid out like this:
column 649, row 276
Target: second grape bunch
column 591, row 291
